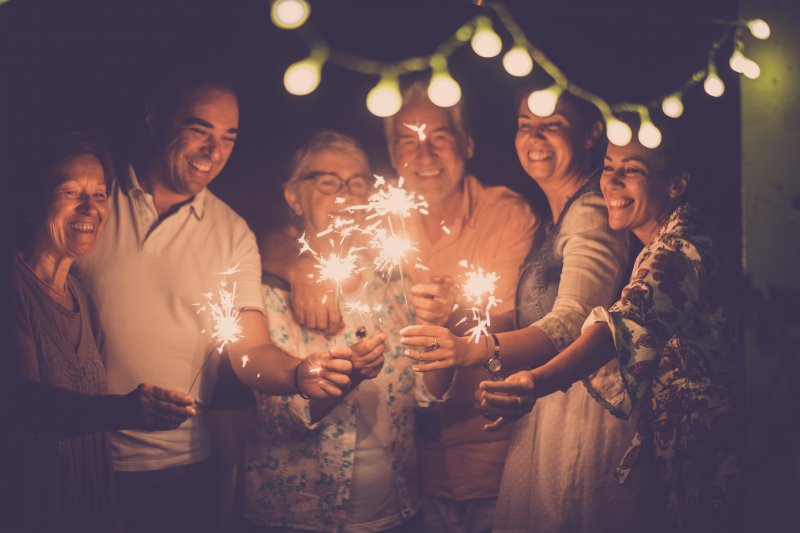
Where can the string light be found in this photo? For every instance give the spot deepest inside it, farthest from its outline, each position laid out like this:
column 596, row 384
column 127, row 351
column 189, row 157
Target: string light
column 289, row 14
column 713, row 85
column 518, row 62
column 485, row 42
column 384, row 100
column 759, row 28
column 751, row 69
column 649, row 135
column 543, row 103
column 303, row 77
column 618, row 132
column 737, row 61
column 443, row 90
column 672, row 106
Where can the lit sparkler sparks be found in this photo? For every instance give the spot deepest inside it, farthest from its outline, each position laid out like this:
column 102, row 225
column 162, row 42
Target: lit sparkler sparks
column 334, row 267
column 419, row 129
column 224, row 316
column 392, row 200
column 479, row 286
column 392, row 250
column 223, row 312
column 362, row 309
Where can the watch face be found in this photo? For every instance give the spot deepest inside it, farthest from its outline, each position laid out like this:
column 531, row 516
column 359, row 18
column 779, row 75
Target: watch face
column 494, row 365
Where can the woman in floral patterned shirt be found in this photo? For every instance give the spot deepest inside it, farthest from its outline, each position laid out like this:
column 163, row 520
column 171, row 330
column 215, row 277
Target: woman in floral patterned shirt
column 666, row 342
column 349, row 464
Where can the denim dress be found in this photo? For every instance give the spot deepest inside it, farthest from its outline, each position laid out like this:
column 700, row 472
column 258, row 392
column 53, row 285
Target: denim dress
column 558, row 472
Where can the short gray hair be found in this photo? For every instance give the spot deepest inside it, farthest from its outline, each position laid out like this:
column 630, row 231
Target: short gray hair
column 322, row 140
column 416, row 93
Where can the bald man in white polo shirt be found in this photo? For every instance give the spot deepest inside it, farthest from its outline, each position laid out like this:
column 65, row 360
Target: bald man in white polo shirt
column 167, row 241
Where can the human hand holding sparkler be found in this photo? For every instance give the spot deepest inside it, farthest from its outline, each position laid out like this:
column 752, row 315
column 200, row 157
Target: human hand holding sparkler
column 508, row 400
column 368, row 357
column 433, row 302
column 441, row 349
column 155, row 408
column 325, row 375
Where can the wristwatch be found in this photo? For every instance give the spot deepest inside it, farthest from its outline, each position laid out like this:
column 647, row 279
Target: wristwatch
column 494, row 365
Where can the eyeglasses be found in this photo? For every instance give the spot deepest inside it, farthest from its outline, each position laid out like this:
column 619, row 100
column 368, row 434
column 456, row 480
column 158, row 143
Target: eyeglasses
column 330, row 183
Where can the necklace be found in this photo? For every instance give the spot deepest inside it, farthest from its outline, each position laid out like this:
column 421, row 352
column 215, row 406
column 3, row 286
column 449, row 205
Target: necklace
column 47, row 286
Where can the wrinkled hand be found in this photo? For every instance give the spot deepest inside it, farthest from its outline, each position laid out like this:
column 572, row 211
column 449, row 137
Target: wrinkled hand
column 368, row 358
column 506, row 401
column 158, row 408
column 326, row 375
column 433, row 302
column 307, row 296
column 451, row 350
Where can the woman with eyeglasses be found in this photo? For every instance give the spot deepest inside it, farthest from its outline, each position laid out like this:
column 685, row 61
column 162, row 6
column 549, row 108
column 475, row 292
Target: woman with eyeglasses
column 347, row 464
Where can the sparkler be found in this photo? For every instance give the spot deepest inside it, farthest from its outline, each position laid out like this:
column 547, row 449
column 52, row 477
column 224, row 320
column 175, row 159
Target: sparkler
column 479, row 286
column 419, row 129
column 387, row 203
column 224, row 317
column 335, row 267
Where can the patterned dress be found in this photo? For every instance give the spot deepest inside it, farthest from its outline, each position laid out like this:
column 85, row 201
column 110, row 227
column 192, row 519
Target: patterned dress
column 674, row 340
column 298, row 474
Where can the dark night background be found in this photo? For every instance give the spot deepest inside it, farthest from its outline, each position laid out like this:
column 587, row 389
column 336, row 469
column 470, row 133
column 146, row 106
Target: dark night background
column 84, row 62
column 68, row 64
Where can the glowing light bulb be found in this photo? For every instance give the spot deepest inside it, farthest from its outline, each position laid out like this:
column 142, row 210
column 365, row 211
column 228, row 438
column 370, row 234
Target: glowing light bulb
column 618, row 132
column 384, row 99
column 751, row 69
column 759, row 28
column 518, row 62
column 443, row 90
column 649, row 135
column 713, row 85
column 303, row 77
column 738, row 62
column 672, row 106
column 289, row 14
column 543, row 103
column 486, row 43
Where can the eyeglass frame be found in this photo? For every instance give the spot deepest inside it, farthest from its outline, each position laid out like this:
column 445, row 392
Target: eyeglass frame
column 314, row 175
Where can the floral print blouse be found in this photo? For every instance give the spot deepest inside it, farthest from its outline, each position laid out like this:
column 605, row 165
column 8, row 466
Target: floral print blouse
column 674, row 340
column 298, row 474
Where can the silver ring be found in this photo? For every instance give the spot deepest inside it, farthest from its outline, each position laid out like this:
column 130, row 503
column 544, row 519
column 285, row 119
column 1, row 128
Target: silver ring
column 435, row 345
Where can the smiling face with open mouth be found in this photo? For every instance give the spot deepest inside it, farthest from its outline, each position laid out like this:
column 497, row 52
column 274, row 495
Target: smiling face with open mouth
column 637, row 192
column 196, row 141
column 554, row 147
column 76, row 214
column 433, row 165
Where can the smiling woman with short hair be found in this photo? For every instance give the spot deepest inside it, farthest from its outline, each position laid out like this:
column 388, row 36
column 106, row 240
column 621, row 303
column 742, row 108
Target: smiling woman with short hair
column 58, row 466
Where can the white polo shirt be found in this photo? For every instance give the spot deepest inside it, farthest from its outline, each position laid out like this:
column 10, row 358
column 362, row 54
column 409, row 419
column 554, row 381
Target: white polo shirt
column 148, row 281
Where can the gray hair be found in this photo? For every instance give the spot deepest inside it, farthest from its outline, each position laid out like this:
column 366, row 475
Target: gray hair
column 322, row 140
column 416, row 93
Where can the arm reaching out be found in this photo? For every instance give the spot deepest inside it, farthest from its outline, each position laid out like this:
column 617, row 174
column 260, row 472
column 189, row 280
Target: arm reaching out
column 281, row 256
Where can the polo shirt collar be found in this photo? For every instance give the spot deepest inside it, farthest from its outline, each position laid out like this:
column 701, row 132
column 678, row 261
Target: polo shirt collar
column 132, row 187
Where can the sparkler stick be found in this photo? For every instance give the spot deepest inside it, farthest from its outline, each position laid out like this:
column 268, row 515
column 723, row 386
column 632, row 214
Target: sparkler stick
column 224, row 317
